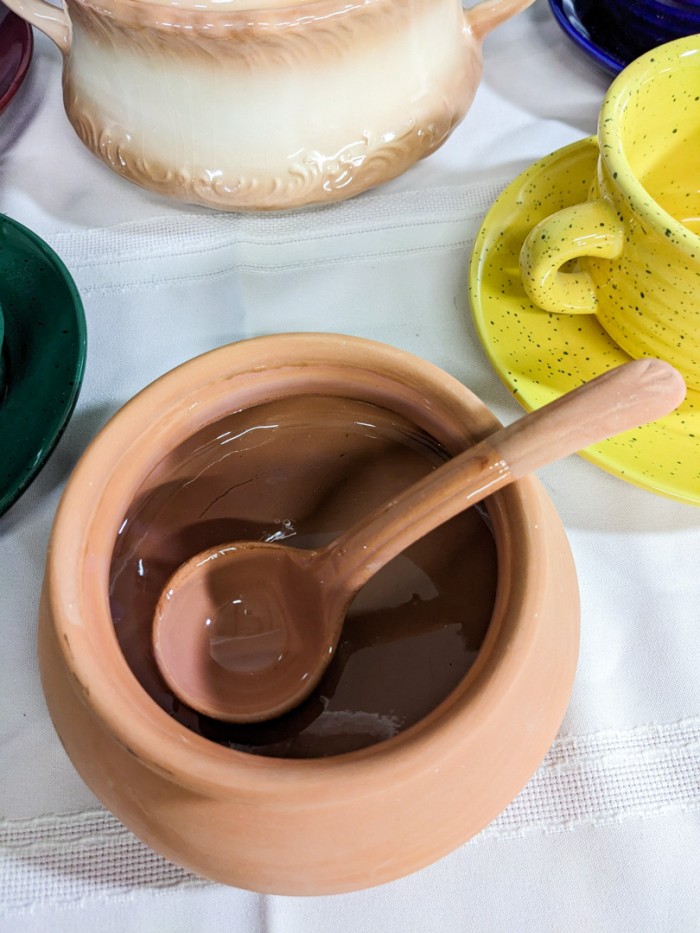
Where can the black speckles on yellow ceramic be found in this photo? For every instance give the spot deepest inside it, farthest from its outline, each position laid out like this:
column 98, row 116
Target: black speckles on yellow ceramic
column 637, row 235
column 540, row 355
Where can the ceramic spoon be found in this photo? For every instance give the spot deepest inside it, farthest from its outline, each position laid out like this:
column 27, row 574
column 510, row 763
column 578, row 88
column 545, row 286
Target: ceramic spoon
column 244, row 631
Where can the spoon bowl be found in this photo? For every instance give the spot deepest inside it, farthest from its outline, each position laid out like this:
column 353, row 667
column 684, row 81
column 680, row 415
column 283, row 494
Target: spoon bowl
column 244, row 631
column 223, row 636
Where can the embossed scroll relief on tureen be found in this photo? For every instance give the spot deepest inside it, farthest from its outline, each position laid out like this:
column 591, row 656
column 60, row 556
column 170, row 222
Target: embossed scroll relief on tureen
column 267, row 108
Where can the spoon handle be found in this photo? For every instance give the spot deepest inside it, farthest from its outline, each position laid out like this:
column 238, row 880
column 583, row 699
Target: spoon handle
column 620, row 399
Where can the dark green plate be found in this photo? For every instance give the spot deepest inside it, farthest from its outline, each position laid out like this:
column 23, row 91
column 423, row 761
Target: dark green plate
column 43, row 355
column 2, row 358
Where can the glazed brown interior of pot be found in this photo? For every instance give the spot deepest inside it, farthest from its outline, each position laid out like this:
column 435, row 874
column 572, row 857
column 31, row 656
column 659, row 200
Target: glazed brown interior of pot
column 302, row 463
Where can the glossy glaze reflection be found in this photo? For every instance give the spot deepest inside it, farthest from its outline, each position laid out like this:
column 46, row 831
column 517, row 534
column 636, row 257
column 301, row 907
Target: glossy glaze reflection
column 43, row 355
column 302, row 470
column 616, row 32
column 16, row 47
column 267, row 107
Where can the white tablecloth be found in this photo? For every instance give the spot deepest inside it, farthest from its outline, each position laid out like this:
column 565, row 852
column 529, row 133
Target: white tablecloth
column 607, row 834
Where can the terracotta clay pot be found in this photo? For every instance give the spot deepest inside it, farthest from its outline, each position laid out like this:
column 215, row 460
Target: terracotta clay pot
column 318, row 825
column 267, row 105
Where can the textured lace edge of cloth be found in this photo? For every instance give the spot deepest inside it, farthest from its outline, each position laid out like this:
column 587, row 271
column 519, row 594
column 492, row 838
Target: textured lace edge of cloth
column 589, row 780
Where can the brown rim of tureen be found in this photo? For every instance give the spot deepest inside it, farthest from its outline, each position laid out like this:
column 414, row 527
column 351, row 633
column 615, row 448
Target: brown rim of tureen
column 290, row 16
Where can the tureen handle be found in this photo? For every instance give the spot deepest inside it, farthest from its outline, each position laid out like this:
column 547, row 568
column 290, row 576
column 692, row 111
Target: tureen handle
column 45, row 16
column 488, row 14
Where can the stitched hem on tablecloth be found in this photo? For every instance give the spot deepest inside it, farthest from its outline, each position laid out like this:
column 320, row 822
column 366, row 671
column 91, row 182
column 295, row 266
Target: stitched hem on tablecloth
column 181, row 250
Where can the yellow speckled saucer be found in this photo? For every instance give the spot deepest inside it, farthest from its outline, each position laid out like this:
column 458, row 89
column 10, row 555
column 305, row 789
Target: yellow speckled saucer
column 539, row 356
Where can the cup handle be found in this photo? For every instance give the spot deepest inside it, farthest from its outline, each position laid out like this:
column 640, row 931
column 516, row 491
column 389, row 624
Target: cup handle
column 488, row 14
column 48, row 18
column 592, row 228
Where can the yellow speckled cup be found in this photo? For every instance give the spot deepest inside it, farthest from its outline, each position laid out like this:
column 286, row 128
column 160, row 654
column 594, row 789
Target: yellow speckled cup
column 635, row 244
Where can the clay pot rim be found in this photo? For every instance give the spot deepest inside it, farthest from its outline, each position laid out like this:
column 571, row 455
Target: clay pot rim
column 77, row 573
